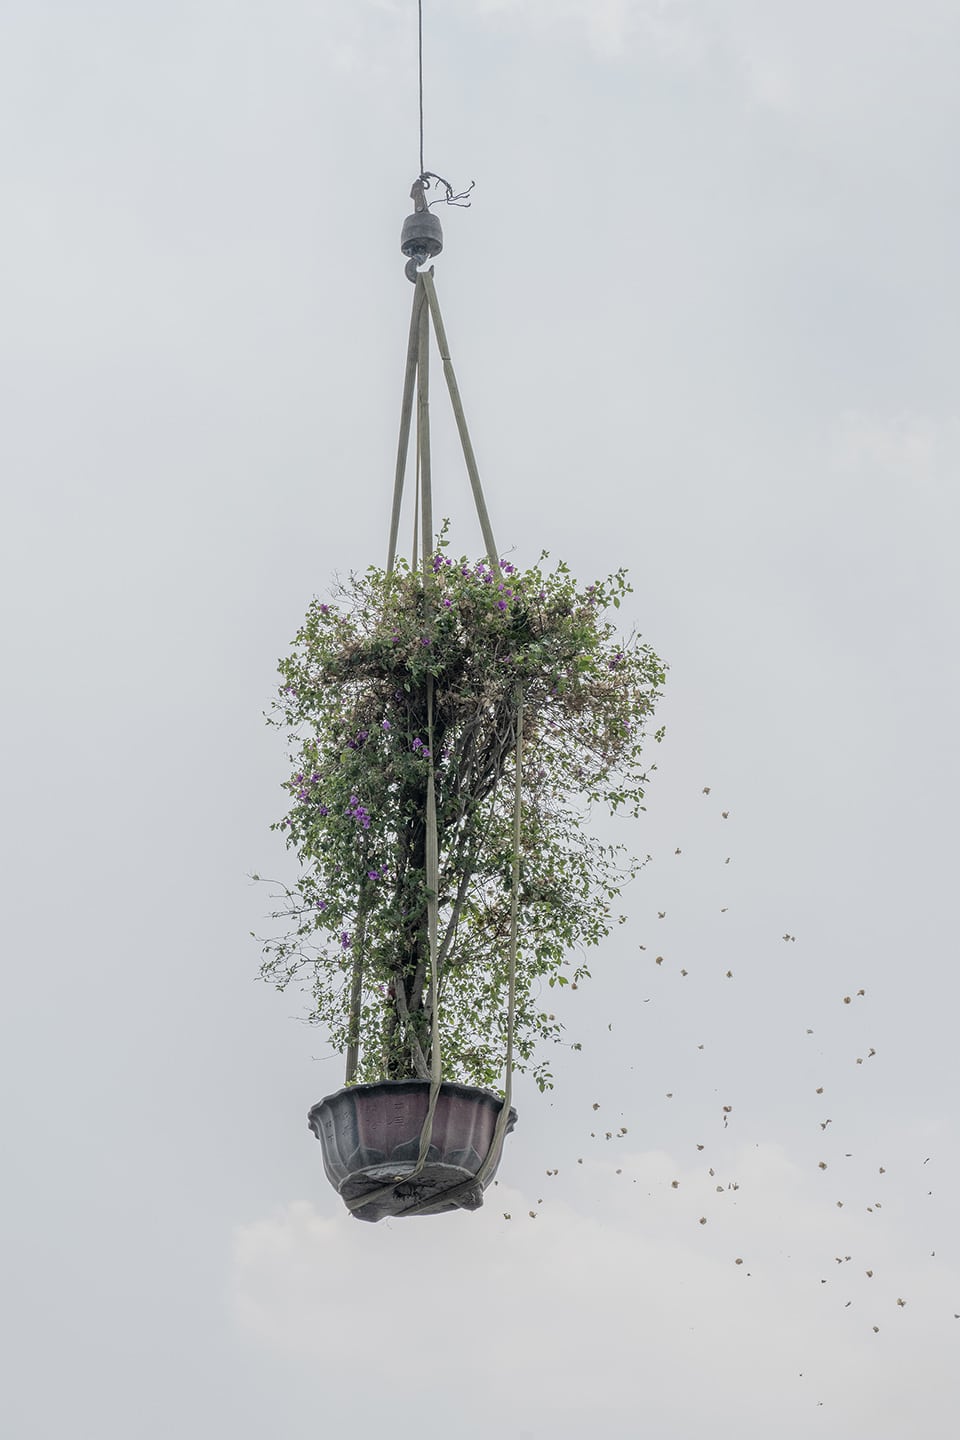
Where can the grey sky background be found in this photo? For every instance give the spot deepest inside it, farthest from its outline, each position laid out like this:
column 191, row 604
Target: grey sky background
column 704, row 316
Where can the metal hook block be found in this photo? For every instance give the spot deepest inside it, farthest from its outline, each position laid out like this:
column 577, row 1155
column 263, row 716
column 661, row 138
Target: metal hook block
column 420, row 240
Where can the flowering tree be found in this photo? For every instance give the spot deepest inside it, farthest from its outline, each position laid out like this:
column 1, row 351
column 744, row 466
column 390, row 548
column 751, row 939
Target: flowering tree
column 413, row 668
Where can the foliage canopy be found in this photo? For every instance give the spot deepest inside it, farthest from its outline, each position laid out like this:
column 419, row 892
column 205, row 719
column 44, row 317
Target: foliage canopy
column 354, row 703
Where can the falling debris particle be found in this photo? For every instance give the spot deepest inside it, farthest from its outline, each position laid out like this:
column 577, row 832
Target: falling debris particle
column 869, row 1274
column 861, row 992
column 724, row 909
column 738, row 1261
column 819, row 1089
column 725, row 814
column 619, row 1172
column 677, row 851
column 699, row 1147
column 847, row 999
column 823, row 1165
column 506, row 1215
column 789, row 937
column 659, row 960
column 809, row 1032
column 609, row 1135
column 882, row 1170
column 683, row 973
column 622, row 1130
column 870, row 1053
column 706, row 790
column 596, row 1104
column 825, row 1123
column 859, row 1059
column 901, row 1303
column 669, row 1094
column 711, row 1171
column 839, row 1204
column 727, row 861
column 729, row 974
column 579, row 1161
column 703, row 1219
column 876, row 1329
column 719, row 1189
column 674, row 1184
column 532, row 1214
column 661, row 914
column 699, row 1047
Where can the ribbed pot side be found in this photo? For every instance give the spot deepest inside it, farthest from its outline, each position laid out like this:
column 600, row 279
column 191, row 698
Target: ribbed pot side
column 370, row 1134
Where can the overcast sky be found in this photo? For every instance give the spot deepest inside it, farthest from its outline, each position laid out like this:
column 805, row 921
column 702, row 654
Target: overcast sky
column 704, row 311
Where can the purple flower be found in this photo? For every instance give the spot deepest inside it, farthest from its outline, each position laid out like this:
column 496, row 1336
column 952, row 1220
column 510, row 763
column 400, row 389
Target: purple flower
column 424, row 640
column 384, row 724
column 322, row 810
column 501, row 604
column 373, row 874
column 448, row 603
column 344, row 940
column 324, row 609
column 320, row 905
column 303, row 794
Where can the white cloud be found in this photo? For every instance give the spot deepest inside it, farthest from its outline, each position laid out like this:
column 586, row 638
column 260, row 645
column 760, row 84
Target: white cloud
column 906, row 445
column 614, row 28
column 615, row 1303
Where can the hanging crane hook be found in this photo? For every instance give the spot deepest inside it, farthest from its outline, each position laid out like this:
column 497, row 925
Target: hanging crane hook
column 422, row 235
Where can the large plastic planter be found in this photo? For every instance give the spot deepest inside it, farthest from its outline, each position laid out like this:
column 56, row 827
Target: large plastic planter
column 370, row 1134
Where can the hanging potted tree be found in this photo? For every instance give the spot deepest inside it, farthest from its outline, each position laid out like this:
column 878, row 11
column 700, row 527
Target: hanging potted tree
column 451, row 723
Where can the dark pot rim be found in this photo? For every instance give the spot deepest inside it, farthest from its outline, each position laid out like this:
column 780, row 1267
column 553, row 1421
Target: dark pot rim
column 372, row 1087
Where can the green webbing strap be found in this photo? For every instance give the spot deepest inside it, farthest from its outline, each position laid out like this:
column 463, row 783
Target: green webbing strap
column 492, row 1158
column 406, row 410
column 432, row 847
column 356, row 997
column 457, row 403
column 417, row 369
